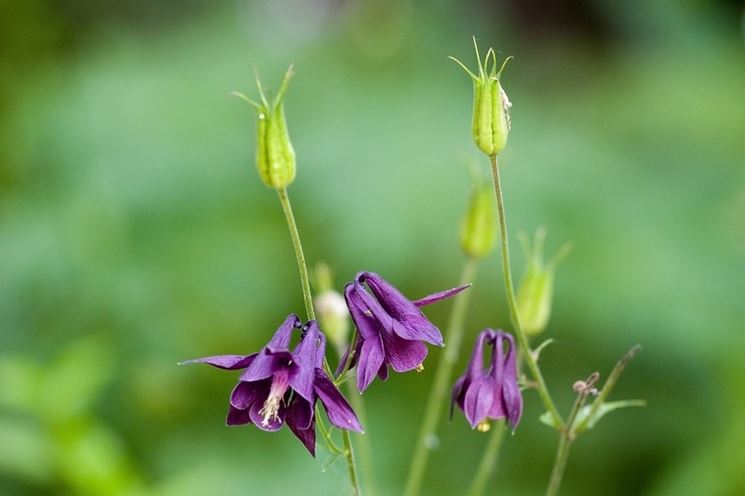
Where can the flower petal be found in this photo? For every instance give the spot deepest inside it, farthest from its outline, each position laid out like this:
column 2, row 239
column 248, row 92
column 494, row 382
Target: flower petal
column 401, row 354
column 281, row 339
column 337, row 408
column 227, row 362
column 267, row 362
column 301, row 411
column 306, row 436
column 415, row 325
column 237, row 417
column 307, row 356
column 513, row 400
column 246, row 393
column 272, row 424
column 434, row 298
column 367, row 325
column 371, row 359
column 478, row 401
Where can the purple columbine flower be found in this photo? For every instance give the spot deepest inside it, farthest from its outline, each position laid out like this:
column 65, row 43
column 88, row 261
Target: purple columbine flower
column 392, row 329
column 492, row 393
column 279, row 386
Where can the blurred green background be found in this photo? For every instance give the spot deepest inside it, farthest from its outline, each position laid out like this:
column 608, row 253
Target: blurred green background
column 135, row 233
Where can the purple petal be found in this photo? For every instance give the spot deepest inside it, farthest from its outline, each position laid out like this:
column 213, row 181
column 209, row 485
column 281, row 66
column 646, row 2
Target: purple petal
column 434, row 298
column 302, row 413
column 267, row 362
column 513, row 400
column 383, row 372
column 246, row 393
column 307, row 356
column 367, row 325
column 475, row 363
column 371, row 359
column 237, row 417
column 457, row 394
column 227, row 362
column 401, row 354
column 337, row 408
column 273, row 424
column 478, row 400
column 281, row 339
column 415, row 326
column 306, row 436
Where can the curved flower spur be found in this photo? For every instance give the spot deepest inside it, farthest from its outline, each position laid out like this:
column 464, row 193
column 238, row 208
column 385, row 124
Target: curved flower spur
column 492, row 393
column 279, row 386
column 392, row 329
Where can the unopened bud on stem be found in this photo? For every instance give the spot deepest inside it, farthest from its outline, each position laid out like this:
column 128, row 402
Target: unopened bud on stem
column 275, row 157
column 479, row 229
column 491, row 107
column 536, row 286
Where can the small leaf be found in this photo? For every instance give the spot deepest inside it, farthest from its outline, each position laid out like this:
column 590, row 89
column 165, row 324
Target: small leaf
column 549, row 420
column 330, row 461
column 583, row 423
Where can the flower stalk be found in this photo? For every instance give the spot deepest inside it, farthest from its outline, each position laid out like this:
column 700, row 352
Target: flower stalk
column 308, row 299
column 488, row 459
column 440, row 385
column 522, row 338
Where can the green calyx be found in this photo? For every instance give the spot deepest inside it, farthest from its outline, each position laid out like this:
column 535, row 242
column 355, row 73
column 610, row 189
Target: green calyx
column 491, row 107
column 535, row 294
column 275, row 156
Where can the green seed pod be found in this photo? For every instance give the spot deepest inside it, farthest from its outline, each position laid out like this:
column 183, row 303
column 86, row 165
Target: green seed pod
column 275, row 157
column 535, row 293
column 491, row 107
column 479, row 229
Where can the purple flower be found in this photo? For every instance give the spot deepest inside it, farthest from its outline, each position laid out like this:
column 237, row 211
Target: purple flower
column 492, row 393
column 279, row 386
column 392, row 329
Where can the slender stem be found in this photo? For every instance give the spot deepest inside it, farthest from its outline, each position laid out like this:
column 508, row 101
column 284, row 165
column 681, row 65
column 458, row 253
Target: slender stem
column 308, row 299
column 363, row 441
column 304, row 280
column 488, row 460
column 560, row 463
column 512, row 304
column 351, row 469
column 565, row 443
column 436, row 400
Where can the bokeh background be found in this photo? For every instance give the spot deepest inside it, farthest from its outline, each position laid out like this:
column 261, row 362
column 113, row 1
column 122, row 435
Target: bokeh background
column 135, row 232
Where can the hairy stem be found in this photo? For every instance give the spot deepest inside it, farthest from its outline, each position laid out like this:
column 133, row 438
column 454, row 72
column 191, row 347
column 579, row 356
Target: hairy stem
column 512, row 303
column 488, row 459
column 308, row 299
column 560, row 463
column 436, row 400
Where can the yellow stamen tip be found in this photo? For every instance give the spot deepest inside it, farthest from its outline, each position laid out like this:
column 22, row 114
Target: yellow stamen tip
column 483, row 426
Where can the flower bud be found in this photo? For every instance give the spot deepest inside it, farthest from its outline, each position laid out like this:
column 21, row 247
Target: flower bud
column 333, row 317
column 331, row 307
column 479, row 229
column 491, row 107
column 535, row 293
column 275, row 157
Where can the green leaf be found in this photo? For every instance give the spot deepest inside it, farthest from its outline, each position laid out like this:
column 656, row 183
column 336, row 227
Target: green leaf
column 330, row 461
column 583, row 423
column 548, row 419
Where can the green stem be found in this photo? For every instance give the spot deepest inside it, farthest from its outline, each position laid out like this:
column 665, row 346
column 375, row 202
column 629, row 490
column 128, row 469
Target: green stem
column 308, row 299
column 512, row 304
column 363, row 441
column 488, row 459
column 299, row 256
column 436, row 400
column 565, row 443
column 351, row 469
column 560, row 463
